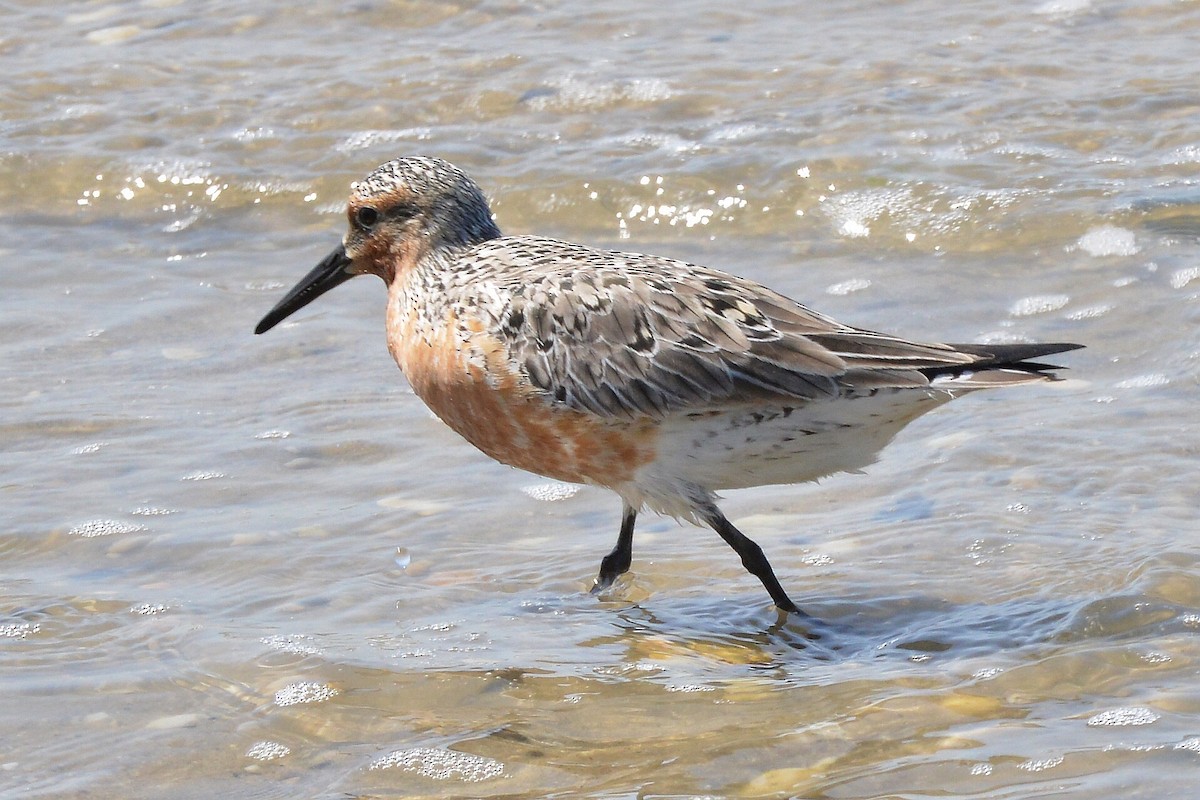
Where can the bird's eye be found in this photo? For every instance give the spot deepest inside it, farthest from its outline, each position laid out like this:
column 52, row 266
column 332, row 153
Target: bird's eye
column 366, row 217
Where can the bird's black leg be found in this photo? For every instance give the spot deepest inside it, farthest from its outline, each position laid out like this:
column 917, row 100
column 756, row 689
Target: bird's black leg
column 752, row 557
column 618, row 561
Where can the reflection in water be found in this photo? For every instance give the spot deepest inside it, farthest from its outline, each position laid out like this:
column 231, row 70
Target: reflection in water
column 911, row 629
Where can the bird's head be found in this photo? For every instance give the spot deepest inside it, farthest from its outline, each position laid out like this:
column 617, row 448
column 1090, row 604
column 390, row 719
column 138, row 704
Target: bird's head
column 407, row 210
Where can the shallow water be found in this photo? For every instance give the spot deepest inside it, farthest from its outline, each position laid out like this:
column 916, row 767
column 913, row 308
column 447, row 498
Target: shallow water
column 258, row 567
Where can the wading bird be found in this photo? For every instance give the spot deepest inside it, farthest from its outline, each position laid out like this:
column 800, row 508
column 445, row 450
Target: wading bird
column 660, row 380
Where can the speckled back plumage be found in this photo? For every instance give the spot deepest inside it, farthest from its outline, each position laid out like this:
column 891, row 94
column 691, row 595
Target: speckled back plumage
column 627, row 334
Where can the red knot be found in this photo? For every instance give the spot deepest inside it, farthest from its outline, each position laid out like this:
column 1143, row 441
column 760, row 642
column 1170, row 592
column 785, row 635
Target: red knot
column 660, row 380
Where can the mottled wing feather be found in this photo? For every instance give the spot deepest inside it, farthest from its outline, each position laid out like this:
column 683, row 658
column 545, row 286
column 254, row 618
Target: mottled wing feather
column 623, row 334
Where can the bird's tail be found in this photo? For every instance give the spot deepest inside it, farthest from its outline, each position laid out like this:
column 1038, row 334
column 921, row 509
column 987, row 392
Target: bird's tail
column 996, row 365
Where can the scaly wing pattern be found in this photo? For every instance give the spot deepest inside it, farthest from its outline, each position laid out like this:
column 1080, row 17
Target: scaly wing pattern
column 627, row 335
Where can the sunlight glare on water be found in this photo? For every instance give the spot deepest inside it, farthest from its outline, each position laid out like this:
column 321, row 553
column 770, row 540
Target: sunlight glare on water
column 237, row 565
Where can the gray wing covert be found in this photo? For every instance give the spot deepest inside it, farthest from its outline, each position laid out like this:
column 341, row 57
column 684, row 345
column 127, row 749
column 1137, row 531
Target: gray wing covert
column 628, row 335
column 629, row 341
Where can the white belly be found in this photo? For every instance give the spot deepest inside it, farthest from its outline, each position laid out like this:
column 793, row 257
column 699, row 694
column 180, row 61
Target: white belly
column 756, row 446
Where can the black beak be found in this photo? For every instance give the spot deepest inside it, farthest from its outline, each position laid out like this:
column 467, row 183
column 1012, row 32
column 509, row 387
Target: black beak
column 331, row 272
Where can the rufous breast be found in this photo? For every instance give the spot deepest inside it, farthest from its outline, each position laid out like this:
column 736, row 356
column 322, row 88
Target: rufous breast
column 462, row 371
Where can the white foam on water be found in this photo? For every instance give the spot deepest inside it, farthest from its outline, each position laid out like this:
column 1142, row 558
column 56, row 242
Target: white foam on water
column 1108, row 240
